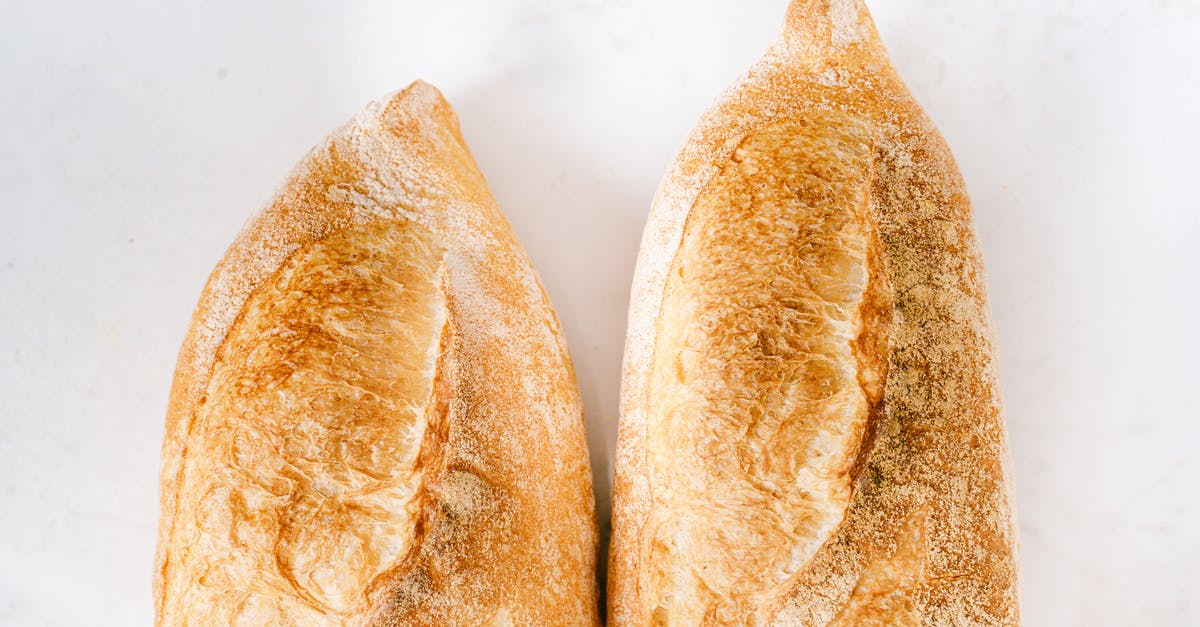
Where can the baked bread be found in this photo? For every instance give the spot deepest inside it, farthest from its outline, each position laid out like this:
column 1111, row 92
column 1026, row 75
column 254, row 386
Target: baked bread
column 374, row 420
column 811, row 428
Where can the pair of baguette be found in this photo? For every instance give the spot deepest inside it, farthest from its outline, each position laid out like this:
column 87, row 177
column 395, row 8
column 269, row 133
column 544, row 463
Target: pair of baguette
column 374, row 419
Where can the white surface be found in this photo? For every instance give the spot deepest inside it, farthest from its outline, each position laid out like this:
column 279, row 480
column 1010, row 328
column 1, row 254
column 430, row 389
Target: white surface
column 139, row 136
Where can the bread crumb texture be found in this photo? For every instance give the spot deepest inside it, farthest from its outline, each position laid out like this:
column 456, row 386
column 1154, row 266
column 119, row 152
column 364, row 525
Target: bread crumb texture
column 374, row 419
column 811, row 429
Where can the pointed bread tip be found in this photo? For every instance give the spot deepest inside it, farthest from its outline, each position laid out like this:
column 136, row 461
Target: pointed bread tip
column 421, row 91
column 420, row 99
column 418, row 107
column 823, row 27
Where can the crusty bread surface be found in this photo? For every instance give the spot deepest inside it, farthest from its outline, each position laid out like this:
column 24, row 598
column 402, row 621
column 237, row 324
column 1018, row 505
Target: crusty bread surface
column 811, row 429
column 374, row 419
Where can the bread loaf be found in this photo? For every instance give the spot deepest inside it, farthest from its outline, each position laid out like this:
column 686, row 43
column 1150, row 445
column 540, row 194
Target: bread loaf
column 374, row 420
column 811, row 429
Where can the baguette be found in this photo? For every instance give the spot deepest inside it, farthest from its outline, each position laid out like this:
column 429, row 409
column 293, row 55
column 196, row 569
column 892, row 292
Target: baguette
column 811, row 429
column 374, row 420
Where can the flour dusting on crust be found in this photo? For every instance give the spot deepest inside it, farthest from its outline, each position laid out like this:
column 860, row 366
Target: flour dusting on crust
column 929, row 535
column 499, row 511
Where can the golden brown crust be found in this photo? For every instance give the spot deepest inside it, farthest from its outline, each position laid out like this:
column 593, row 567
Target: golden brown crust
column 374, row 419
column 811, row 430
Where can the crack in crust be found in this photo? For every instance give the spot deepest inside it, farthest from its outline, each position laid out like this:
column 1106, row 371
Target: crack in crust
column 764, row 372
column 317, row 411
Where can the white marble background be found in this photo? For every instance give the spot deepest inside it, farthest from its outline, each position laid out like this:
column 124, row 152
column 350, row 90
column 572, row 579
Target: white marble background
column 138, row 135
